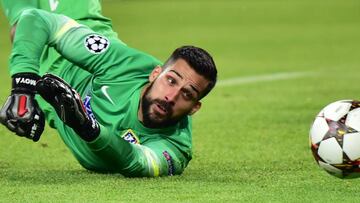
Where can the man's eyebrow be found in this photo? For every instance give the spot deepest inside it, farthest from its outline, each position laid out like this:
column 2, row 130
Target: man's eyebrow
column 197, row 91
column 180, row 76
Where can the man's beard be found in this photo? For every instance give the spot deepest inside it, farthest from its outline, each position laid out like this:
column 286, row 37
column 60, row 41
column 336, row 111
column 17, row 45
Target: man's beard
column 150, row 119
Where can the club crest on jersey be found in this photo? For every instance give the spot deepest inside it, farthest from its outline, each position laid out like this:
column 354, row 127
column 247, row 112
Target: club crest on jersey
column 96, row 44
column 130, row 137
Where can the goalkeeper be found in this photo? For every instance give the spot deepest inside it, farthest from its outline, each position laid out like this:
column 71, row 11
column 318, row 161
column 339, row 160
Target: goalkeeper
column 122, row 111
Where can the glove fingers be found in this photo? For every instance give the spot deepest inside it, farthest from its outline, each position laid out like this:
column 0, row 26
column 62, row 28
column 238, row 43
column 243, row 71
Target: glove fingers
column 48, row 89
column 62, row 97
column 30, row 126
column 68, row 106
column 15, row 127
column 43, row 88
column 4, row 111
column 52, row 89
column 20, row 131
column 11, row 125
column 60, row 83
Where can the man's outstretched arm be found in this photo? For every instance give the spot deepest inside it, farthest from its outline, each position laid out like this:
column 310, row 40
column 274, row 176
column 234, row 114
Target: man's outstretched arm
column 21, row 113
column 75, row 42
column 13, row 9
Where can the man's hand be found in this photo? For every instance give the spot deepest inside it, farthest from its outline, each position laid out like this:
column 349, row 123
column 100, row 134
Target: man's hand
column 21, row 113
column 68, row 105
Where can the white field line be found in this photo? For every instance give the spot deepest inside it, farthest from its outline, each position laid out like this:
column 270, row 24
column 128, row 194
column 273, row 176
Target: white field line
column 261, row 78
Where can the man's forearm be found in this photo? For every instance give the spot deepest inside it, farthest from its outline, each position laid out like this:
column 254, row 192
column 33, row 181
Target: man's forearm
column 13, row 8
column 35, row 29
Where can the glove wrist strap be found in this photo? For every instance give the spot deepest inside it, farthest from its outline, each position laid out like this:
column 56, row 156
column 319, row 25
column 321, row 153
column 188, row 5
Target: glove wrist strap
column 89, row 131
column 24, row 82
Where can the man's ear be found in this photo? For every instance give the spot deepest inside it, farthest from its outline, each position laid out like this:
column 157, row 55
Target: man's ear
column 195, row 108
column 155, row 73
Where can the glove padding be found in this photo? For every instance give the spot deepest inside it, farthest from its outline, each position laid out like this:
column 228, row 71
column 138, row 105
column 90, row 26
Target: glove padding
column 68, row 105
column 21, row 113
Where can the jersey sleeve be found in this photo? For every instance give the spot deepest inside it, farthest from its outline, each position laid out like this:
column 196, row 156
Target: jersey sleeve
column 13, row 9
column 155, row 158
column 75, row 42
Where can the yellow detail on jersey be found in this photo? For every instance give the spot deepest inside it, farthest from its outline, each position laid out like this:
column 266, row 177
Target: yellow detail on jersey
column 151, row 160
column 155, row 166
column 66, row 27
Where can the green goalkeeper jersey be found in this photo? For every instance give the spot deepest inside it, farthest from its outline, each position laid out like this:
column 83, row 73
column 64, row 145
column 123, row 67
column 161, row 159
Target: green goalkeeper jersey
column 110, row 81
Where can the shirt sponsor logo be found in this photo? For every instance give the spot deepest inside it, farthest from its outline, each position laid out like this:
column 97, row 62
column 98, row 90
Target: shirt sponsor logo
column 130, row 137
column 96, row 44
column 88, row 109
column 170, row 163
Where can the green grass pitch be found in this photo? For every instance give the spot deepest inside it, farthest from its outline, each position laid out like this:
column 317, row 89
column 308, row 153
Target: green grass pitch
column 251, row 137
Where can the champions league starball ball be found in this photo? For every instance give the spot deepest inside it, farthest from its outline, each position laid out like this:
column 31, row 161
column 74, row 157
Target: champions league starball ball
column 335, row 139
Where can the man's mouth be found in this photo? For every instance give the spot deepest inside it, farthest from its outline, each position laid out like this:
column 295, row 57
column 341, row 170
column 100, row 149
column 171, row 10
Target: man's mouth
column 160, row 110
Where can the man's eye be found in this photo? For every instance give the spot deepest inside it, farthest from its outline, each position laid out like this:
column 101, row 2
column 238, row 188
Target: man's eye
column 188, row 95
column 171, row 80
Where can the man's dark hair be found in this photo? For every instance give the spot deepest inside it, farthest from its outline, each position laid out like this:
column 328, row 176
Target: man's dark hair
column 199, row 60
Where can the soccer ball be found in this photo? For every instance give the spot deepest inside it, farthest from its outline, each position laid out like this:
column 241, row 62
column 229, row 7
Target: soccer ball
column 335, row 138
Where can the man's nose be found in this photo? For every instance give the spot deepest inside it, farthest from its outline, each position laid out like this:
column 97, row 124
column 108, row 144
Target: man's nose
column 172, row 95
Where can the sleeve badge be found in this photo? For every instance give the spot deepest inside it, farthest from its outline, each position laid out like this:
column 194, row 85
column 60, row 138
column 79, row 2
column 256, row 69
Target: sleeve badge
column 96, row 44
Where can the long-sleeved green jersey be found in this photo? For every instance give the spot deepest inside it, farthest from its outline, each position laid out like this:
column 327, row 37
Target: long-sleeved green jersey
column 110, row 80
